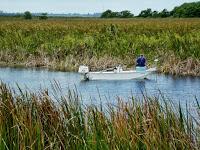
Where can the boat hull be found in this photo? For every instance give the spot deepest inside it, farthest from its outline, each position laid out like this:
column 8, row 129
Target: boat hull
column 124, row 75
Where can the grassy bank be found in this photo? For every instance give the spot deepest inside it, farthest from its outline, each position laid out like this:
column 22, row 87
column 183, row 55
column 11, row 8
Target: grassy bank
column 65, row 44
column 35, row 121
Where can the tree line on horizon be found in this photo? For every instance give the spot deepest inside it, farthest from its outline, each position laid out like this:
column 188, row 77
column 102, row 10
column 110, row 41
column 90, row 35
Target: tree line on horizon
column 186, row 10
column 26, row 15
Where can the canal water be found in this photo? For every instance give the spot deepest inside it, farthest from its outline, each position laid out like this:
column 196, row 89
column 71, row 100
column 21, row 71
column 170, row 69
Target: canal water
column 177, row 89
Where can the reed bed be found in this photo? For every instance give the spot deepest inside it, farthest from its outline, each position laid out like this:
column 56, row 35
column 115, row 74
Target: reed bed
column 36, row 121
column 65, row 44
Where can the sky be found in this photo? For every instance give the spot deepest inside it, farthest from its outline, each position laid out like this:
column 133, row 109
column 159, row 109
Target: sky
column 87, row 6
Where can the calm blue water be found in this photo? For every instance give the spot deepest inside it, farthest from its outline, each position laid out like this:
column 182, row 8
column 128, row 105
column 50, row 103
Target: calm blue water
column 176, row 88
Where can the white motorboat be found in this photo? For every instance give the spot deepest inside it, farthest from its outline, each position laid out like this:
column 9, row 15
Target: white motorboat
column 116, row 74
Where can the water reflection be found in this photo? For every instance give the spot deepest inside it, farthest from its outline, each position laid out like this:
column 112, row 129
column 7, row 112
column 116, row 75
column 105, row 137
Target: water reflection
column 140, row 85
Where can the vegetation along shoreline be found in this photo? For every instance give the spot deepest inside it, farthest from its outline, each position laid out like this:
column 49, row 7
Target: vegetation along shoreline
column 102, row 43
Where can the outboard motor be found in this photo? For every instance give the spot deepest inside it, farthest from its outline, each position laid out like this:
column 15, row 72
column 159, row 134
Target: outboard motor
column 83, row 69
column 118, row 69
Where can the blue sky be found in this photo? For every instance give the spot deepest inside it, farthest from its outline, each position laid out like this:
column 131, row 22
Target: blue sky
column 86, row 6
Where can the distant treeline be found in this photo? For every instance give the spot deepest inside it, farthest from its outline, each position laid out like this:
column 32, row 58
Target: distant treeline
column 186, row 10
column 6, row 14
column 25, row 15
column 122, row 14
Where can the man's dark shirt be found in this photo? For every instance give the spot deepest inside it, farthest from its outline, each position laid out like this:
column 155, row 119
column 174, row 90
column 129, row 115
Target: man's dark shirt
column 141, row 62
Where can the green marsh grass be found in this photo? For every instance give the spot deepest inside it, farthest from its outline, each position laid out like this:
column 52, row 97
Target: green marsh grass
column 64, row 44
column 36, row 121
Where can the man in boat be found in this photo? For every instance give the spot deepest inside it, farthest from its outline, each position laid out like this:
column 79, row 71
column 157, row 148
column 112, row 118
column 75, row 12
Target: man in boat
column 141, row 63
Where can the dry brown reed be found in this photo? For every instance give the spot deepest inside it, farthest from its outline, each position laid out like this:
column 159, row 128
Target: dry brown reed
column 36, row 121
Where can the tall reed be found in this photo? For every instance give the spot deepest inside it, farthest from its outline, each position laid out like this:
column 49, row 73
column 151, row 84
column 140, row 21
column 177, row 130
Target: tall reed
column 36, row 121
column 65, row 44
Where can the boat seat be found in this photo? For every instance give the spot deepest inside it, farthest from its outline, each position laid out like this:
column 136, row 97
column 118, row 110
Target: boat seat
column 141, row 69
